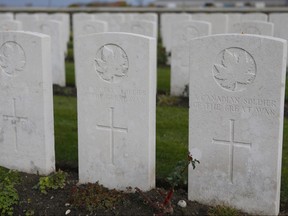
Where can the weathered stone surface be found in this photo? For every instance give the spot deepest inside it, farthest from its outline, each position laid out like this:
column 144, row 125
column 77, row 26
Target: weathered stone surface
column 27, row 126
column 236, row 121
column 116, row 90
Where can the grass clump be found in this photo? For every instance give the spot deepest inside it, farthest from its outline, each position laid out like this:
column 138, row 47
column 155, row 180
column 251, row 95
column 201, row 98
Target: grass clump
column 8, row 193
column 221, row 210
column 55, row 181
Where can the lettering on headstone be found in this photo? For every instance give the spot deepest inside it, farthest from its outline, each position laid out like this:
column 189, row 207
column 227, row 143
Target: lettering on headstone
column 15, row 119
column 231, row 143
column 111, row 63
column 112, row 128
column 12, row 58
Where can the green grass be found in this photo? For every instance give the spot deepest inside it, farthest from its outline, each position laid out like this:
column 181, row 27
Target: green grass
column 171, row 138
column 284, row 179
column 65, row 121
column 70, row 74
column 163, row 80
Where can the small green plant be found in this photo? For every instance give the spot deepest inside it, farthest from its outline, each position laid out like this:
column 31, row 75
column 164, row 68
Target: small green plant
column 55, row 181
column 8, row 193
column 175, row 178
column 221, row 210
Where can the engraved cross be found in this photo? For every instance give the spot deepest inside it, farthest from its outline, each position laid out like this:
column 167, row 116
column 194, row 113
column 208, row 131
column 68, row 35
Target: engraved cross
column 232, row 143
column 112, row 129
column 15, row 120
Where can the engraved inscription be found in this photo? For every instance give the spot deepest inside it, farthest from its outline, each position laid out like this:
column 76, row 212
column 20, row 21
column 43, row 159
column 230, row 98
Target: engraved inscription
column 234, row 104
column 120, row 95
column 15, row 119
column 12, row 58
column 112, row 129
column 234, row 69
column 231, row 143
column 111, row 63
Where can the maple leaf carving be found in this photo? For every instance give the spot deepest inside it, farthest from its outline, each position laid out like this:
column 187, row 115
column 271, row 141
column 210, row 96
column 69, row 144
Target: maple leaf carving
column 235, row 68
column 112, row 63
column 12, row 58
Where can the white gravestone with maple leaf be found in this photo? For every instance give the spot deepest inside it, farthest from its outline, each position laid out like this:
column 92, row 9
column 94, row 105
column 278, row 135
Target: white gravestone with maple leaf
column 236, row 121
column 116, row 90
column 182, row 33
column 26, row 113
column 253, row 27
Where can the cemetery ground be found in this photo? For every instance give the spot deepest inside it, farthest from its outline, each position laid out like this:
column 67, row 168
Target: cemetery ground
column 34, row 197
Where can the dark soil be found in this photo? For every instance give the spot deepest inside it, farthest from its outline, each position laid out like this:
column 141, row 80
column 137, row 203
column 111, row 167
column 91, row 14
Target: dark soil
column 58, row 202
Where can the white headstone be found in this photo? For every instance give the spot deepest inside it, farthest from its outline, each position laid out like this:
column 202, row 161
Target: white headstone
column 53, row 29
column 42, row 16
column 183, row 32
column 26, row 20
column 116, row 109
column 146, row 28
column 114, row 20
column 78, row 17
column 147, row 17
column 90, row 26
column 218, row 21
column 10, row 25
column 254, row 17
column 166, row 22
column 65, row 27
column 280, row 21
column 27, row 126
column 6, row 16
column 253, row 27
column 232, row 19
column 236, row 113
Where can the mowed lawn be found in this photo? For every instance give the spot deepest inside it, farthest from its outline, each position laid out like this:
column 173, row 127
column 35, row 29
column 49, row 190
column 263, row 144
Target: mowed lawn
column 171, row 128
